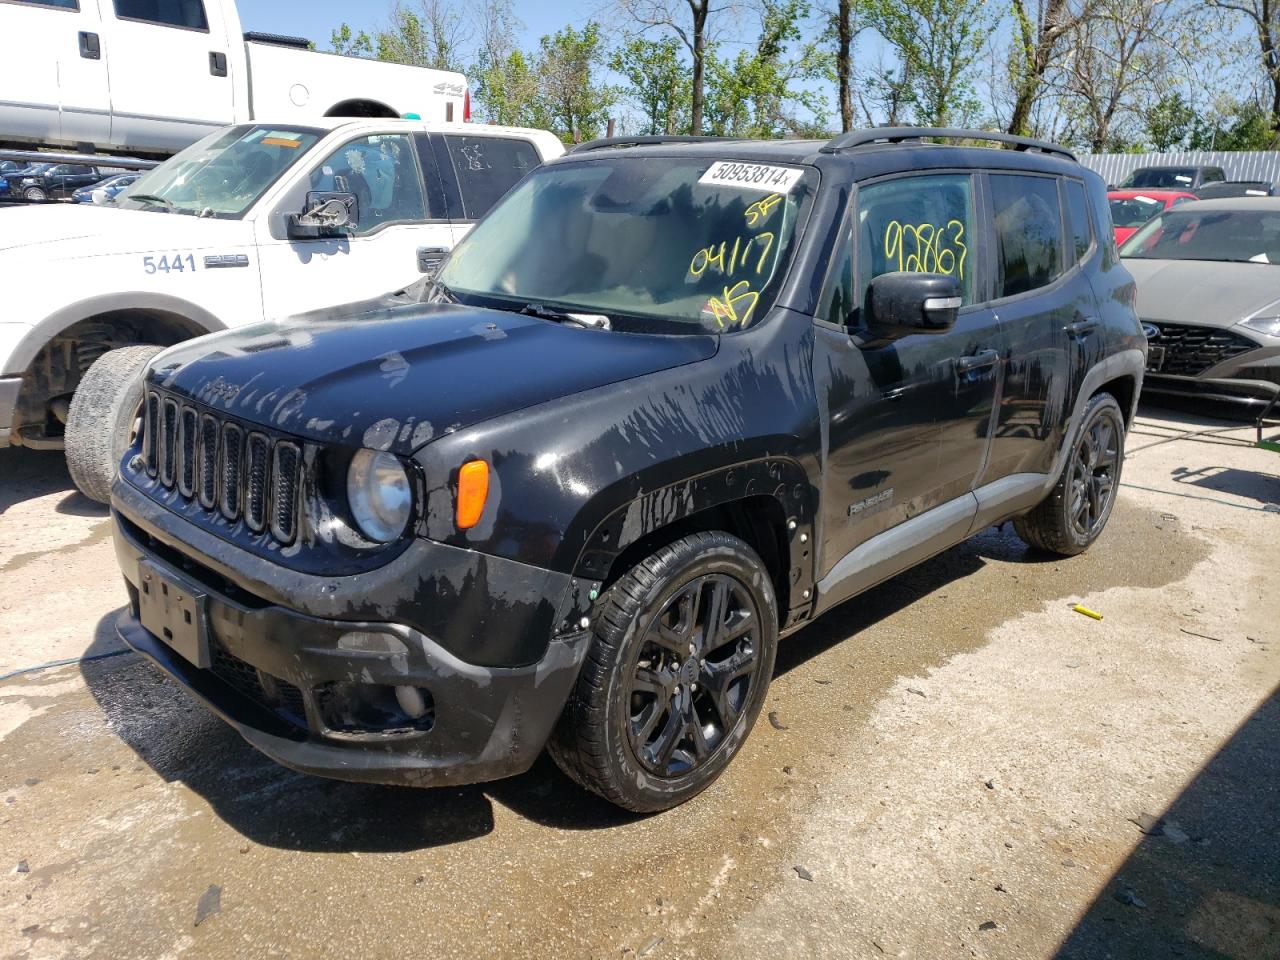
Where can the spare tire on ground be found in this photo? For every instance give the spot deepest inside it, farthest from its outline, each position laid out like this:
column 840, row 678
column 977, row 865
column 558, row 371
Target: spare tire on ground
column 102, row 420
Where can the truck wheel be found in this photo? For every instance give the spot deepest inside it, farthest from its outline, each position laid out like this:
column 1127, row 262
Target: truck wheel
column 35, row 194
column 102, row 421
column 681, row 656
column 1073, row 515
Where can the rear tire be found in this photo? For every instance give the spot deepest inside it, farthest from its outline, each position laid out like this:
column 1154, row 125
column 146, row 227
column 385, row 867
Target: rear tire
column 679, row 665
column 1073, row 516
column 100, row 423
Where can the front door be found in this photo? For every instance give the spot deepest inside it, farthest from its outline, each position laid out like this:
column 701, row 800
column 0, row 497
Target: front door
column 908, row 419
column 379, row 255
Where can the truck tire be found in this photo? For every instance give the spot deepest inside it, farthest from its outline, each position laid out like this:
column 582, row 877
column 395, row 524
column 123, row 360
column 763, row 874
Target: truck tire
column 35, row 194
column 681, row 655
column 100, row 423
column 1068, row 520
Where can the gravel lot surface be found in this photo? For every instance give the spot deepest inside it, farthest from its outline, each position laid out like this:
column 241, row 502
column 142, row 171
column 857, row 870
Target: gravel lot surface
column 962, row 766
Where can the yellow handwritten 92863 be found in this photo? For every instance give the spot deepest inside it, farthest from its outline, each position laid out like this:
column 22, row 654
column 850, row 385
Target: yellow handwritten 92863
column 925, row 248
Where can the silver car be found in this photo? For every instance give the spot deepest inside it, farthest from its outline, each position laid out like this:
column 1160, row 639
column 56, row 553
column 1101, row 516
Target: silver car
column 1208, row 276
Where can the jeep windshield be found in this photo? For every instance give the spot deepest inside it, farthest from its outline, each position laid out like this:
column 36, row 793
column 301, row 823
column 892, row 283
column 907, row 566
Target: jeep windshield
column 656, row 244
column 1232, row 236
column 222, row 175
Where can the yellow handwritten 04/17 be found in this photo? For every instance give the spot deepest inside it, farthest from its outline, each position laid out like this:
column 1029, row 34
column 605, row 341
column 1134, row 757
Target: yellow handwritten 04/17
column 714, row 256
column 760, row 210
column 925, row 248
column 730, row 310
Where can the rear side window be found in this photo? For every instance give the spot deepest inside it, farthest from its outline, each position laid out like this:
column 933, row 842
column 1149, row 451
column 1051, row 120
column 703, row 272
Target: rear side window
column 60, row 4
column 167, row 13
column 1078, row 216
column 1029, row 240
column 918, row 225
column 487, row 167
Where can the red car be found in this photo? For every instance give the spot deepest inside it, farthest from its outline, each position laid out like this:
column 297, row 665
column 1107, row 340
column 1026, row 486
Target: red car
column 1130, row 209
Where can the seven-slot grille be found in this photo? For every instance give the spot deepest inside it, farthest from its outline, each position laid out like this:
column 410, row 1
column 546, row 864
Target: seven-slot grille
column 1189, row 350
column 223, row 466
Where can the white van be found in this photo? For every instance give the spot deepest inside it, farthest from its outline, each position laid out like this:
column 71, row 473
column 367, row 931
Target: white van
column 153, row 76
column 253, row 222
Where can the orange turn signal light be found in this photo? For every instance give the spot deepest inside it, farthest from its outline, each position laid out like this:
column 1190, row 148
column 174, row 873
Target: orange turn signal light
column 473, row 489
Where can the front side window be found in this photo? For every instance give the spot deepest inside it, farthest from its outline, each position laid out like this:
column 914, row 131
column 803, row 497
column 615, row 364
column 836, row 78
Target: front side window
column 1028, row 226
column 1244, row 236
column 382, row 173
column 222, row 175
column 673, row 246
column 487, row 167
column 60, row 4
column 167, row 13
column 918, row 225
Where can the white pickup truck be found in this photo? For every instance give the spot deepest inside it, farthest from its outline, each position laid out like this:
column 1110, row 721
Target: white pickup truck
column 153, row 76
column 254, row 222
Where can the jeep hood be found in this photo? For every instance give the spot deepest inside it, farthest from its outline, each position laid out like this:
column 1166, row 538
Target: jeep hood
column 84, row 229
column 394, row 378
column 1200, row 292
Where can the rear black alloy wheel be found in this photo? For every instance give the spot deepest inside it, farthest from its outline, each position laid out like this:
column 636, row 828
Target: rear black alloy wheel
column 692, row 675
column 1076, row 510
column 1093, row 477
column 681, row 654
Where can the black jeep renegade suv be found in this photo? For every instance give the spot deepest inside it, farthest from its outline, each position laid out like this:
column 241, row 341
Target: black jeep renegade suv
column 666, row 404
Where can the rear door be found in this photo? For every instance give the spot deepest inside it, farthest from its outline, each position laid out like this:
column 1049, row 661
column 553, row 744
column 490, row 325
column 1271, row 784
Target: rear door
column 41, row 41
column 169, row 69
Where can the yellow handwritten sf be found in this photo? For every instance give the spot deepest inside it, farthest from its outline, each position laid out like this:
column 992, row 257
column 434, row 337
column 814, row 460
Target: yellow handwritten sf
column 761, row 209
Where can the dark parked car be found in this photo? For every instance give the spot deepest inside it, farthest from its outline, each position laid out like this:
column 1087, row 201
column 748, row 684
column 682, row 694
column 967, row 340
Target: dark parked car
column 1189, row 177
column 664, row 405
column 1237, row 188
column 1208, row 277
column 15, row 175
column 56, row 181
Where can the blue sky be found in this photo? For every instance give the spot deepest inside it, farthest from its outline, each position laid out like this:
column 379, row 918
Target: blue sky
column 315, row 19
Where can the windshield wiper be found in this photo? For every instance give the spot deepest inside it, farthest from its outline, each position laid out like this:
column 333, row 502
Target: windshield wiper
column 151, row 198
column 592, row 321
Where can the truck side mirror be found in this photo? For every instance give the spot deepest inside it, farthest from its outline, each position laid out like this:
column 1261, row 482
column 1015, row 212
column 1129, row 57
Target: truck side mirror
column 903, row 303
column 325, row 214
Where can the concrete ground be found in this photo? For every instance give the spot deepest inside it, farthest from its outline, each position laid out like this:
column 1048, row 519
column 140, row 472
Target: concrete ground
column 961, row 766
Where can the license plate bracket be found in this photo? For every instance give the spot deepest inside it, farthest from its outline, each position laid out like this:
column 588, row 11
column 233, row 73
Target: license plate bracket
column 1155, row 358
column 174, row 612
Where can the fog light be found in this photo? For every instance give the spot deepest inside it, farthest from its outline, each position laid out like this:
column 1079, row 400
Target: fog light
column 355, row 709
column 412, row 701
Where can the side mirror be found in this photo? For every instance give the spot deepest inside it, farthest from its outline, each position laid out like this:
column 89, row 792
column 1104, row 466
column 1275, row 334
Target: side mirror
column 324, row 215
column 903, row 303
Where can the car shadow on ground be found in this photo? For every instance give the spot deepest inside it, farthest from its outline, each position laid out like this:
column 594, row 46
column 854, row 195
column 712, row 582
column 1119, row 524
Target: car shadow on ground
column 1204, row 879
column 274, row 806
column 29, row 474
column 1251, row 484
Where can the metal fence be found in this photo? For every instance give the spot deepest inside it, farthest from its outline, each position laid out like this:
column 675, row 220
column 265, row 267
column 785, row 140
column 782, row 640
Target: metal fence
column 1252, row 165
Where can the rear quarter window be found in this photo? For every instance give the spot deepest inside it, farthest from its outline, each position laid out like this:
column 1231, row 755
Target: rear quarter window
column 487, row 167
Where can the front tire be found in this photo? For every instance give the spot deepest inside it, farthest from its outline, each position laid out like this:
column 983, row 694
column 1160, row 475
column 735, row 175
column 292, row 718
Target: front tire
column 1075, row 513
column 35, row 194
column 102, row 421
column 679, row 665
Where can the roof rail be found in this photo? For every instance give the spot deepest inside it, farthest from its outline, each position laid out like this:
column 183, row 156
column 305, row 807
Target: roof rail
column 875, row 135
column 604, row 143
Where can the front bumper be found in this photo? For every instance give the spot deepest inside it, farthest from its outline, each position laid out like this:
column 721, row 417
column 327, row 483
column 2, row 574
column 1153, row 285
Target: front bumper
column 274, row 674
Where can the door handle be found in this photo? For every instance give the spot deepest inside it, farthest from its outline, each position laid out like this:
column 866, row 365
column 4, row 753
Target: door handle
column 90, row 46
column 217, row 63
column 983, row 358
column 430, row 258
column 1081, row 327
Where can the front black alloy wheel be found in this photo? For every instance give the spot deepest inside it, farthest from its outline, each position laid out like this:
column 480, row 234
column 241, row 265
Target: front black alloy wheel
column 693, row 674
column 1077, row 509
column 681, row 655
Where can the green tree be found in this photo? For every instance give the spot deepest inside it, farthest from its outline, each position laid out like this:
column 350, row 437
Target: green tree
column 507, row 92
column 1170, row 122
column 1037, row 42
column 572, row 97
column 1244, row 125
column 430, row 35
column 657, row 83
column 689, row 21
column 936, row 43
column 350, row 44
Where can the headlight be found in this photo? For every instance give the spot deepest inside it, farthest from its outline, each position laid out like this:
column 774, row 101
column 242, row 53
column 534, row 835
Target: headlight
column 1268, row 325
column 379, row 495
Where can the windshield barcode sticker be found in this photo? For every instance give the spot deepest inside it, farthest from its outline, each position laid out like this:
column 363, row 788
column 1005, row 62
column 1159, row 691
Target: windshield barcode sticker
column 751, row 176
